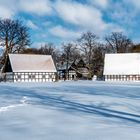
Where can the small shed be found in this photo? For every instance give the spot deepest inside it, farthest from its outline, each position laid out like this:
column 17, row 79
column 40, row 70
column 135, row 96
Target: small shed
column 66, row 72
column 73, row 70
column 122, row 67
column 30, row 68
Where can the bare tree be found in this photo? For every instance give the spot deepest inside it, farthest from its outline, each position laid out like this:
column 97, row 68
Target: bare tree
column 136, row 48
column 88, row 43
column 30, row 51
column 118, row 43
column 50, row 49
column 47, row 49
column 69, row 54
column 14, row 36
column 98, row 60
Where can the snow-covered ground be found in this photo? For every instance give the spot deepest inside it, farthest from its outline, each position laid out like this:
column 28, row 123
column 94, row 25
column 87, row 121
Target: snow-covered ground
column 79, row 110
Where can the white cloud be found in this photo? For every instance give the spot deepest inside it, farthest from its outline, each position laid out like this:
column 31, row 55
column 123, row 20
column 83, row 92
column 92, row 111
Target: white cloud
column 86, row 16
column 100, row 3
column 5, row 12
column 47, row 24
column 31, row 25
column 64, row 33
column 121, row 14
column 80, row 15
column 38, row 7
column 136, row 3
column 7, row 8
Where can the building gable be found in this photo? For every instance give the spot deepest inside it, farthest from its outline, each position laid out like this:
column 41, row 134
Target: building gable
column 31, row 63
column 7, row 67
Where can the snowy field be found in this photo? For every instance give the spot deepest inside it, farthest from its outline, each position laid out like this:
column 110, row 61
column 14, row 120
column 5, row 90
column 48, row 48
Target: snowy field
column 82, row 110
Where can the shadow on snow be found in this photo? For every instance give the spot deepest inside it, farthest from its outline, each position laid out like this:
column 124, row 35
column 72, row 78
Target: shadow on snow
column 66, row 105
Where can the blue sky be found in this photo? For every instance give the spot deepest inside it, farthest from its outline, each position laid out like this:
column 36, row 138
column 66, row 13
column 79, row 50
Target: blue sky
column 60, row 21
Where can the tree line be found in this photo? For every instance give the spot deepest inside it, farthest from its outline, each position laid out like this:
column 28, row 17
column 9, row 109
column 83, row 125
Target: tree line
column 15, row 38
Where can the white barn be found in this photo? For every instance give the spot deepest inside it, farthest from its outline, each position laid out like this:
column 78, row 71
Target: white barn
column 122, row 67
column 30, row 68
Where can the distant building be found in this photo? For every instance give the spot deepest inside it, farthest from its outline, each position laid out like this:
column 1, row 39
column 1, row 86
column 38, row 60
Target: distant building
column 30, row 68
column 73, row 70
column 122, row 67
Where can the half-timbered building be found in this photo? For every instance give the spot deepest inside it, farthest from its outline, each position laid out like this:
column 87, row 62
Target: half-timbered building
column 122, row 67
column 29, row 68
column 73, row 70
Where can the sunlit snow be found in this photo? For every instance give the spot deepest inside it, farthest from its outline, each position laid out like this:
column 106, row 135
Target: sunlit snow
column 78, row 110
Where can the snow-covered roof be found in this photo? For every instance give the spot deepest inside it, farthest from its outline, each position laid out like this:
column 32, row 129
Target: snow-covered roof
column 31, row 63
column 122, row 64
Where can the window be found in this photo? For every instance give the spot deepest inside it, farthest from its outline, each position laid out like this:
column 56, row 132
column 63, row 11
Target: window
column 43, row 76
column 19, row 76
column 50, row 75
column 31, row 76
